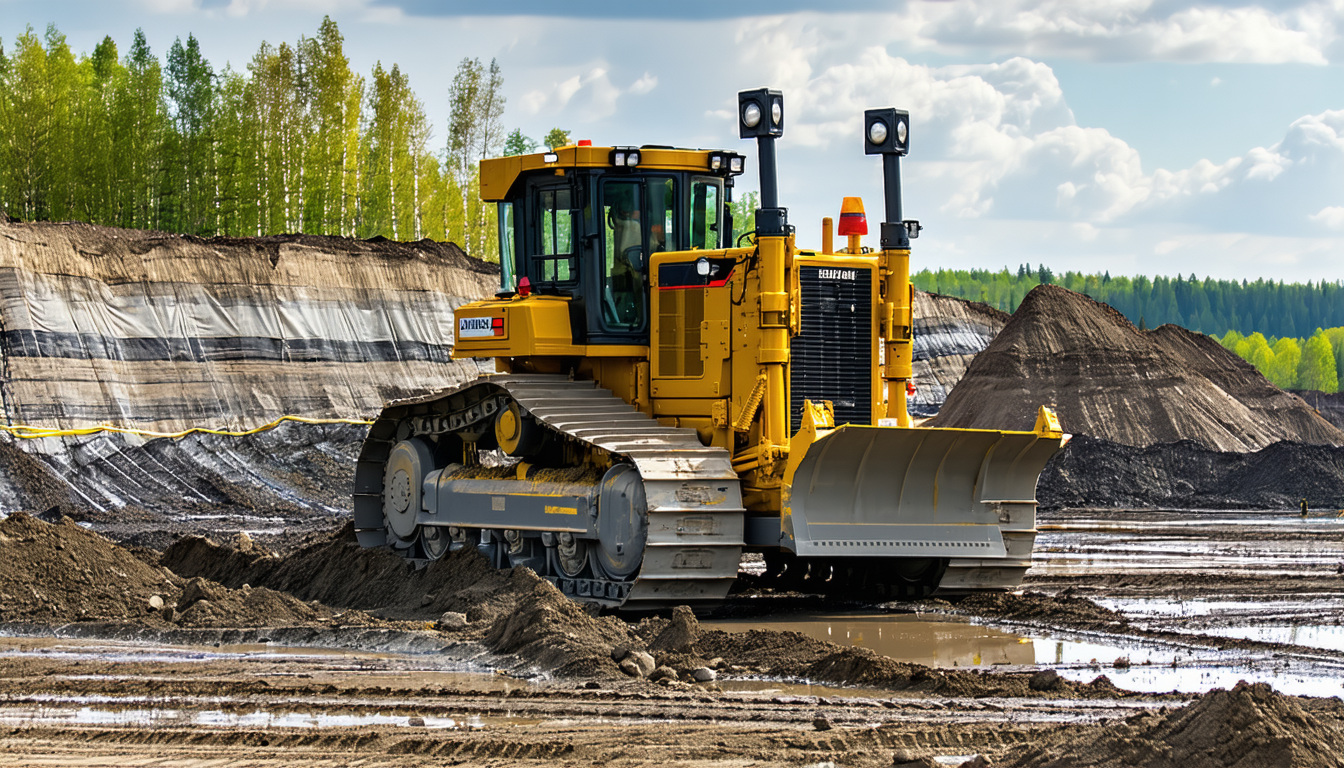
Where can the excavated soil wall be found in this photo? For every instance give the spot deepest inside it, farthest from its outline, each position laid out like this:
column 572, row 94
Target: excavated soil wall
column 949, row 333
column 165, row 332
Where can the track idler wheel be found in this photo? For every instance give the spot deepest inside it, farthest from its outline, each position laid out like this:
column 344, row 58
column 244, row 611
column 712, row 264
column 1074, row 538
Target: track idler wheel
column 517, row 433
column 434, row 541
column 622, row 524
column 403, row 478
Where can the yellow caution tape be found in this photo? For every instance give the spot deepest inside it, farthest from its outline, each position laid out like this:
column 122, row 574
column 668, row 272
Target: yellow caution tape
column 32, row 433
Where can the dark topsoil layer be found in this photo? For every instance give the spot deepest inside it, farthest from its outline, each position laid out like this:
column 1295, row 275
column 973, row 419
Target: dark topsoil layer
column 1107, row 379
column 1096, row 473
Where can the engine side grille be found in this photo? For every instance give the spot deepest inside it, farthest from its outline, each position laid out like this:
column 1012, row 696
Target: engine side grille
column 833, row 358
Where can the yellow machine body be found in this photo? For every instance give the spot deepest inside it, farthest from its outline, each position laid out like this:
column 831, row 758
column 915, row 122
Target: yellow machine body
column 666, row 398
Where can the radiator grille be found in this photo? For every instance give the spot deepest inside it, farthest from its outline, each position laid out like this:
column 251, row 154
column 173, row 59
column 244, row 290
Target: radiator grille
column 833, row 357
column 680, row 313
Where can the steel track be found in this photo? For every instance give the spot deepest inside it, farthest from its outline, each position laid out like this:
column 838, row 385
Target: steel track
column 695, row 513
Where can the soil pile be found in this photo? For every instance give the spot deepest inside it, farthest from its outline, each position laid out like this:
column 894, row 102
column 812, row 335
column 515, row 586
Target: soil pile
column 1330, row 406
column 59, row 573
column 1108, row 379
column 1250, row 726
column 205, row 604
column 949, row 333
column 1063, row 610
column 1095, row 473
column 512, row 611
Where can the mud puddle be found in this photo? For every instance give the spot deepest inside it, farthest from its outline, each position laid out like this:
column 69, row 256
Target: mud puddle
column 146, row 661
column 1263, row 544
column 934, row 641
column 1311, row 623
column 1137, row 665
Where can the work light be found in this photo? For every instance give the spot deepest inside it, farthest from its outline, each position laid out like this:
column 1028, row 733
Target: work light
column 753, row 106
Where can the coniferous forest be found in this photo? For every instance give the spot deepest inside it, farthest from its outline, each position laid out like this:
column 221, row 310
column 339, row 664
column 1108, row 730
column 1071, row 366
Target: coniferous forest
column 1292, row 332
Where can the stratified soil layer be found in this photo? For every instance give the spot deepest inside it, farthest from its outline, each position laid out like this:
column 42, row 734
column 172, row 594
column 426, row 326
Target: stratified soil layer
column 949, row 333
column 1107, row 379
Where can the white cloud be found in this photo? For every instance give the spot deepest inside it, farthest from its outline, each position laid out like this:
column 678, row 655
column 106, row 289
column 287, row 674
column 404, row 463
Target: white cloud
column 1131, row 30
column 1330, row 217
column 643, row 85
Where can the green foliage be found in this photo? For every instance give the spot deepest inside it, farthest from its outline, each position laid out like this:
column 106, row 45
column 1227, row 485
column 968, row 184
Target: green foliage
column 475, row 132
column 744, row 215
column 1317, row 370
column 558, row 137
column 296, row 143
column 518, row 144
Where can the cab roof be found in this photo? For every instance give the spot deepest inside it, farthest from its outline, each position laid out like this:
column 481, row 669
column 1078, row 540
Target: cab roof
column 499, row 174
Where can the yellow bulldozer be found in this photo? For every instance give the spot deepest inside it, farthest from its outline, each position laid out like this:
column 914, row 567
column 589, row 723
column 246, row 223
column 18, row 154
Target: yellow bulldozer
column 666, row 400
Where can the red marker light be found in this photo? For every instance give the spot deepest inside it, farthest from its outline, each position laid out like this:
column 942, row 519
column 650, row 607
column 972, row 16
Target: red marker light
column 909, row 387
column 524, row 287
column 852, row 219
column 497, row 325
column 585, row 142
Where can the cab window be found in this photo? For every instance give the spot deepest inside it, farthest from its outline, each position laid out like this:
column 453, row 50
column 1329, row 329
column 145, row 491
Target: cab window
column 508, row 270
column 706, row 208
column 623, row 260
column 555, row 263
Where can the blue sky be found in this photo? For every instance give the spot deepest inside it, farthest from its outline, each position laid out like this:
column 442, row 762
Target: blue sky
column 1134, row 136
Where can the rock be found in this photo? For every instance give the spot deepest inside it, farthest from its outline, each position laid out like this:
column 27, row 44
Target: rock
column 679, row 635
column 704, row 675
column 663, row 672
column 198, row 590
column 821, row 724
column 592, row 685
column 979, row 761
column 629, row 667
column 416, row 722
column 1045, row 680
column 903, row 757
column 243, row 543
column 155, row 603
column 451, row 621
column 644, row 662
column 619, row 652
column 718, row 663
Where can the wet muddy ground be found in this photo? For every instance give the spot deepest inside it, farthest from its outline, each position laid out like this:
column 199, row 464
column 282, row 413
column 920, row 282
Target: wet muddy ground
column 1164, row 605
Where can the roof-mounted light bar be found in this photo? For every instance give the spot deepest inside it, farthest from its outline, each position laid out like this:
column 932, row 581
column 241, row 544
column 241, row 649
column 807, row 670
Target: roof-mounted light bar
column 727, row 163
column 625, row 157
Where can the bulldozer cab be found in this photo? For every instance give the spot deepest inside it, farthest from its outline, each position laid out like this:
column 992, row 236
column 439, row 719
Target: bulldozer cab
column 582, row 222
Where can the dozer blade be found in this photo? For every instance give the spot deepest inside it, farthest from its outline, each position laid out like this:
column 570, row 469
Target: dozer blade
column 964, row 496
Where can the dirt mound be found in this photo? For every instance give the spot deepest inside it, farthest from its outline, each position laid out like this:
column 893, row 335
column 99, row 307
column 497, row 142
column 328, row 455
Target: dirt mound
column 1108, row 379
column 1250, row 726
column 56, row 573
column 205, row 604
column 1096, row 473
column 1064, row 609
column 511, row 611
column 1329, row 405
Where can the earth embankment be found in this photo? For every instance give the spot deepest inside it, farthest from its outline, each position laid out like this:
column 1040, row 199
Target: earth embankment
column 166, row 332
column 949, row 333
column 1107, row 379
